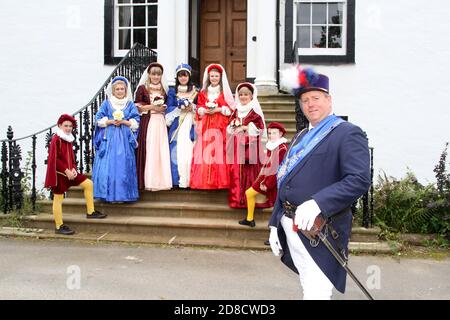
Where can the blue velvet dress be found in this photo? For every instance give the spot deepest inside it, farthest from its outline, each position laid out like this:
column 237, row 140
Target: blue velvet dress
column 114, row 171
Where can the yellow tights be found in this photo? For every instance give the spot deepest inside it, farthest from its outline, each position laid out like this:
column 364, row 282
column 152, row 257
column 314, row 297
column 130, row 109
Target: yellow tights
column 251, row 201
column 88, row 189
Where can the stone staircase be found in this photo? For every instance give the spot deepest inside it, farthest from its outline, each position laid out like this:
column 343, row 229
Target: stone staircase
column 184, row 217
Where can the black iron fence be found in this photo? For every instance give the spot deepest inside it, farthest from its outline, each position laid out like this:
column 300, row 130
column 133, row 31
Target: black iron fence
column 12, row 189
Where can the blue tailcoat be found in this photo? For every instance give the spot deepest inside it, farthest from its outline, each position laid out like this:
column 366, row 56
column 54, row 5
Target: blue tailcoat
column 335, row 174
column 114, row 171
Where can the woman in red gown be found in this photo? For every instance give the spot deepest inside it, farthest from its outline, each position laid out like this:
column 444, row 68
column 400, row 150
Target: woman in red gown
column 214, row 106
column 243, row 145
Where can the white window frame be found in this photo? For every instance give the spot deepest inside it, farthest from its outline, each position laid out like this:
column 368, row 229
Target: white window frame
column 118, row 52
column 322, row 51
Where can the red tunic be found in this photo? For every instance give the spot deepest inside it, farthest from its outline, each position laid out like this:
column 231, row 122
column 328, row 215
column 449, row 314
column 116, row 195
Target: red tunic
column 209, row 169
column 60, row 158
column 268, row 175
column 243, row 151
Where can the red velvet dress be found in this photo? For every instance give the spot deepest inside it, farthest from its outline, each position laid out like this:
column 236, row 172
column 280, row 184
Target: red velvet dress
column 209, row 169
column 243, row 154
column 268, row 175
column 60, row 158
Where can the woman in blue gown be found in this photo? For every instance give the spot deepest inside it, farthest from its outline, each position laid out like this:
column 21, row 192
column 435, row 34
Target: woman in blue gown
column 180, row 120
column 115, row 140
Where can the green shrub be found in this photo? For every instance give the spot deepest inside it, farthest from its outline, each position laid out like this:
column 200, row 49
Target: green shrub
column 408, row 206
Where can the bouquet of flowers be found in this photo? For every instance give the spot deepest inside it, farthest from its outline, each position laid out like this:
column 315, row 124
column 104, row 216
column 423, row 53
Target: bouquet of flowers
column 211, row 105
column 235, row 123
column 183, row 103
column 158, row 101
column 118, row 115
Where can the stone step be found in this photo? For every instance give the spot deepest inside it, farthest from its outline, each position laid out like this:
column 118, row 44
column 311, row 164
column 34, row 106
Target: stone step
column 284, row 105
column 279, row 114
column 166, row 209
column 276, row 98
column 178, row 195
column 165, row 230
column 287, row 123
column 158, row 227
column 129, row 238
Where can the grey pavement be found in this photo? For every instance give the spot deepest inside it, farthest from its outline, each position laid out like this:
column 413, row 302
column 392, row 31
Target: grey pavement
column 39, row 269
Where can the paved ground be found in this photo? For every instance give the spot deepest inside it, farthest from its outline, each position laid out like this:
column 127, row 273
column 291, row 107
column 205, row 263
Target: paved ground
column 49, row 270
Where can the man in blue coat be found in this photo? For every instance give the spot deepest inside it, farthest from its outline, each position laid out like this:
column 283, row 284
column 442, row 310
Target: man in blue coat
column 326, row 169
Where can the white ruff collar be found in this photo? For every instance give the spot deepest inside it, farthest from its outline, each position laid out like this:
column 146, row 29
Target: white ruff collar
column 243, row 111
column 182, row 89
column 272, row 145
column 66, row 137
column 118, row 104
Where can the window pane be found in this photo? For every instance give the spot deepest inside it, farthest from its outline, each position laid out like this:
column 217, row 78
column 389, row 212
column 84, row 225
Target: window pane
column 124, row 17
column 139, row 36
column 124, row 1
column 335, row 37
column 336, row 13
column 304, row 13
column 152, row 38
column 152, row 16
column 304, row 37
column 139, row 16
column 138, row 1
column 319, row 13
column 152, row 1
column 319, row 37
column 124, row 39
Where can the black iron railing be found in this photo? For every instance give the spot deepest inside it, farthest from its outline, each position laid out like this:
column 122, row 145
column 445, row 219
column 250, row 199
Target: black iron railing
column 12, row 193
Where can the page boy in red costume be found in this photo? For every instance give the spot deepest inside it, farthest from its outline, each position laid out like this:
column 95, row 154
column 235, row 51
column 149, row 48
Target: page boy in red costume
column 62, row 173
column 265, row 185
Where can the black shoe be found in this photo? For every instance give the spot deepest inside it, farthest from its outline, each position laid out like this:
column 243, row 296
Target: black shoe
column 65, row 230
column 267, row 243
column 96, row 215
column 245, row 222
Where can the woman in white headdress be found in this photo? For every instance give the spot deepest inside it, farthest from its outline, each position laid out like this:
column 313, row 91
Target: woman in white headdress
column 115, row 140
column 153, row 156
column 180, row 120
column 246, row 128
column 215, row 104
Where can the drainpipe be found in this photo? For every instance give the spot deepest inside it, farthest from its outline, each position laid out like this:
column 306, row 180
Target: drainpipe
column 278, row 25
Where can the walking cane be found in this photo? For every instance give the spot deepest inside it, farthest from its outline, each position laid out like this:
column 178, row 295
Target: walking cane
column 343, row 263
column 316, row 230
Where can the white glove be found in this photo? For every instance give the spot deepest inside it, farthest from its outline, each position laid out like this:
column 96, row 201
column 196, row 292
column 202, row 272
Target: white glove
column 305, row 214
column 274, row 241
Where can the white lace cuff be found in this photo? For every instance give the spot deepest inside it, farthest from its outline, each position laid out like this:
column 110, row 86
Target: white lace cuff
column 171, row 116
column 201, row 111
column 134, row 125
column 253, row 131
column 226, row 111
column 102, row 122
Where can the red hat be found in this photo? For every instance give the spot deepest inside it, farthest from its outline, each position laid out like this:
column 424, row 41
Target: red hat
column 245, row 85
column 277, row 125
column 215, row 66
column 67, row 117
column 155, row 64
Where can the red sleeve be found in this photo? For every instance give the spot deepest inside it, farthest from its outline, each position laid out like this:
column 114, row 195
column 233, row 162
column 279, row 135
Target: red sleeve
column 201, row 99
column 141, row 96
column 50, row 177
column 270, row 181
column 61, row 158
column 221, row 102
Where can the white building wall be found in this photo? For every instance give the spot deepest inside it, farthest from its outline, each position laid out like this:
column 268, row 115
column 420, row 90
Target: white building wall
column 398, row 90
column 51, row 60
